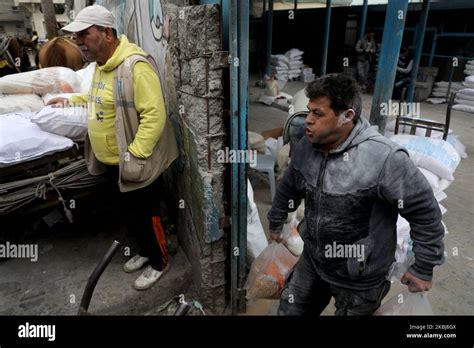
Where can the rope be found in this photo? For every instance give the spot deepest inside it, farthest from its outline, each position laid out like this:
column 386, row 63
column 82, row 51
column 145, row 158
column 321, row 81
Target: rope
column 19, row 193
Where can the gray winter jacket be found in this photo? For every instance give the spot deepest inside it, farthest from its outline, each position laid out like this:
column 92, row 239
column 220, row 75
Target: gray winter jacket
column 353, row 197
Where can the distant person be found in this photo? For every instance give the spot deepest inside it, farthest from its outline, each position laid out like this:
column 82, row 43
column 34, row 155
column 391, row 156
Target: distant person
column 365, row 49
column 403, row 73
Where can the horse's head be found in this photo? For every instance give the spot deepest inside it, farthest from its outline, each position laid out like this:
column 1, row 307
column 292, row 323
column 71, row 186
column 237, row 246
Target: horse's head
column 29, row 55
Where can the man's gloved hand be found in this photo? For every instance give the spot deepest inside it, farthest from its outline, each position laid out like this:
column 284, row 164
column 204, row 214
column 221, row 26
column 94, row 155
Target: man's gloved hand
column 276, row 236
column 415, row 284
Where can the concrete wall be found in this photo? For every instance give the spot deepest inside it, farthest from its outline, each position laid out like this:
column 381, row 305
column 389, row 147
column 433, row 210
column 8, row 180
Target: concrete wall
column 195, row 47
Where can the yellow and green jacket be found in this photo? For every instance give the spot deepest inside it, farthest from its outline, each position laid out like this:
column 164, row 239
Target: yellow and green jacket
column 148, row 101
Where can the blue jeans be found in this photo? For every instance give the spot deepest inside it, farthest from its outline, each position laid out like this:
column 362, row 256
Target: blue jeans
column 307, row 294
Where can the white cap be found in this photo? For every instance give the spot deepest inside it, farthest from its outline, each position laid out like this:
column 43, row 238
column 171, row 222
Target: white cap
column 89, row 16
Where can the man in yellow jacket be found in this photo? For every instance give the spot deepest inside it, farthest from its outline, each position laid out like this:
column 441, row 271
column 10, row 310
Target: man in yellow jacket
column 129, row 136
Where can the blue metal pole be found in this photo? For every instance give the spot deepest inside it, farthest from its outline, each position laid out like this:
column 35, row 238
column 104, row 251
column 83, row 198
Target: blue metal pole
column 433, row 48
column 391, row 41
column 244, row 19
column 234, row 124
column 419, row 37
column 364, row 19
column 269, row 16
column 326, row 38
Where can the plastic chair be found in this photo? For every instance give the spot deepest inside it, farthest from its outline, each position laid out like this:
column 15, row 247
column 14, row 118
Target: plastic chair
column 266, row 164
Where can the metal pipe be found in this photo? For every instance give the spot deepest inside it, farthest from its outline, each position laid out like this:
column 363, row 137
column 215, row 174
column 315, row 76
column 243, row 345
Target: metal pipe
column 182, row 309
column 326, row 37
column 269, row 17
column 396, row 14
column 244, row 15
column 419, row 38
column 234, row 124
column 364, row 18
column 433, row 48
column 94, row 277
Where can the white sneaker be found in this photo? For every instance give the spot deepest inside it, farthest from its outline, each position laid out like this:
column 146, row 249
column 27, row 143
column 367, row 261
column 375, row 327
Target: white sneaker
column 148, row 278
column 135, row 263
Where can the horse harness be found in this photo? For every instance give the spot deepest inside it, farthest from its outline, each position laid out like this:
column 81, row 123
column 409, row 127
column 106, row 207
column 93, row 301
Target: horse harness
column 6, row 58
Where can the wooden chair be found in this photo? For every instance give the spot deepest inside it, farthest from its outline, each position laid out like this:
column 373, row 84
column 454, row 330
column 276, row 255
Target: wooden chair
column 428, row 125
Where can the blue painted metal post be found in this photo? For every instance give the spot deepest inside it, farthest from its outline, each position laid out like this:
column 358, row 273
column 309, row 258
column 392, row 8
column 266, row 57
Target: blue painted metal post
column 419, row 37
column 244, row 19
column 326, row 37
column 363, row 19
column 433, row 48
column 234, row 124
column 269, row 17
column 391, row 41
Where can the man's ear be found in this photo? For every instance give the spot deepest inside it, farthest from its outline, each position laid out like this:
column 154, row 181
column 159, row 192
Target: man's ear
column 348, row 116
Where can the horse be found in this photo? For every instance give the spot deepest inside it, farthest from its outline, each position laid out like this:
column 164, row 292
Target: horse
column 61, row 51
column 17, row 55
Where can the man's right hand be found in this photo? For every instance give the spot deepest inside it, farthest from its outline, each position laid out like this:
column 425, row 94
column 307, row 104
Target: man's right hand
column 58, row 102
column 276, row 236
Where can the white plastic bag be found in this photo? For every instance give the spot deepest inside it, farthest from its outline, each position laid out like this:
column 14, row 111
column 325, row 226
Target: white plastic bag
column 48, row 80
column 406, row 303
column 256, row 239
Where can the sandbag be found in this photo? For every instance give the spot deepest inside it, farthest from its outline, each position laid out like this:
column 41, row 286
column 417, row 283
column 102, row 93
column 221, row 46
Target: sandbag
column 70, row 122
column 22, row 140
column 464, row 107
column 256, row 142
column 20, row 103
column 48, row 80
column 437, row 184
column 467, row 91
column 436, row 155
column 294, row 53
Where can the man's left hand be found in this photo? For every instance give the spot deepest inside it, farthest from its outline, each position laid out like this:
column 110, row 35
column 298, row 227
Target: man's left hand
column 415, row 284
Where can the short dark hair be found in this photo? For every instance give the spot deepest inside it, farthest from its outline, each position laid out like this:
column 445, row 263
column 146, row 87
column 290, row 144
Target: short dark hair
column 340, row 89
column 100, row 28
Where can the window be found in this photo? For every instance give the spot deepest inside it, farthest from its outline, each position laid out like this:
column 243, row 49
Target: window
column 2, row 28
column 15, row 9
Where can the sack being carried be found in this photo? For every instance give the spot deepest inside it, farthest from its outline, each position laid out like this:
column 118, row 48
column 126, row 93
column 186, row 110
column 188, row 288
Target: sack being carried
column 269, row 272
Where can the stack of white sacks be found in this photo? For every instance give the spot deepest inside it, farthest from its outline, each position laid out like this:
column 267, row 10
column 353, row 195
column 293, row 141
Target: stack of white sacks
column 30, row 129
column 437, row 160
column 440, row 90
column 287, row 66
column 465, row 97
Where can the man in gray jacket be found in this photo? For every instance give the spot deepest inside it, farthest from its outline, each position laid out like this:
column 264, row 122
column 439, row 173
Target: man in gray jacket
column 354, row 182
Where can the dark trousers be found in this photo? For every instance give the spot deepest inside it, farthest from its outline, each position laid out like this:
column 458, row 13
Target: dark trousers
column 140, row 213
column 307, row 294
